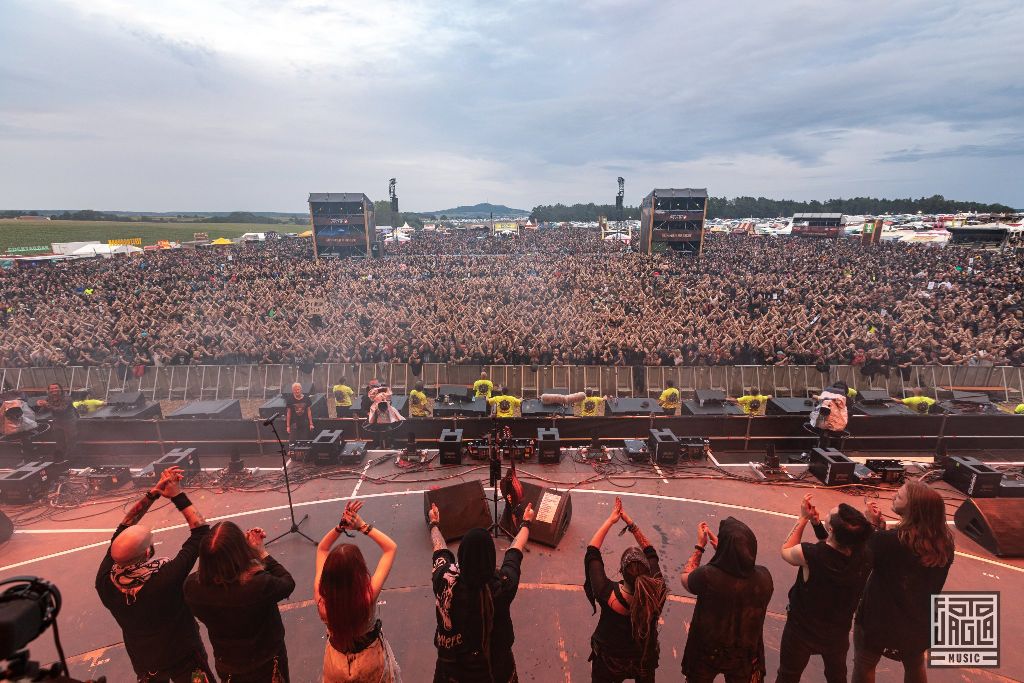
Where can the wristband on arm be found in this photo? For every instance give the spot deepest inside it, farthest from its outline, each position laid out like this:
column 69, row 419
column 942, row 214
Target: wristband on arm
column 181, row 501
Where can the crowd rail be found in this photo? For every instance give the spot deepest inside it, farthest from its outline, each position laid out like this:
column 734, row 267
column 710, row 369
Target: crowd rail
column 262, row 382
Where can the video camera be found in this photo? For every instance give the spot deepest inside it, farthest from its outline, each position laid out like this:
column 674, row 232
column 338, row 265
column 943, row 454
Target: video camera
column 27, row 608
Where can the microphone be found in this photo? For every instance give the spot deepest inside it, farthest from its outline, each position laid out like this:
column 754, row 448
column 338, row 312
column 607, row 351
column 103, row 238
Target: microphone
column 270, row 420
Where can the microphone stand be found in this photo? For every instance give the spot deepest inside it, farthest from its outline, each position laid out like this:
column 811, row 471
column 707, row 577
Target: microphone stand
column 494, row 451
column 294, row 529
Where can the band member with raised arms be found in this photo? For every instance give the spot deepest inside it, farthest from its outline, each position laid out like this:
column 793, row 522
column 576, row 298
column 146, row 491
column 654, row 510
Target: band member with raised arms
column 474, row 634
column 145, row 592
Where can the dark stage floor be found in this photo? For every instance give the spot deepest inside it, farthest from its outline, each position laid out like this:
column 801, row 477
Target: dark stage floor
column 552, row 618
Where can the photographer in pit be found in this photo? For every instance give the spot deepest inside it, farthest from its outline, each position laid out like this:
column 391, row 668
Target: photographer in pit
column 829, row 417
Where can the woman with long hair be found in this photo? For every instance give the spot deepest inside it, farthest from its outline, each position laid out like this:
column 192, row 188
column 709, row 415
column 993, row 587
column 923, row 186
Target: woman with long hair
column 625, row 643
column 911, row 562
column 346, row 597
column 235, row 594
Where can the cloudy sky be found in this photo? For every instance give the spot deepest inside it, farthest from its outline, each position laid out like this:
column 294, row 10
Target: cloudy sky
column 251, row 104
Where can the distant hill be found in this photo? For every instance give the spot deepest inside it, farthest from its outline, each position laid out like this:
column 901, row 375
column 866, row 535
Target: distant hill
column 478, row 211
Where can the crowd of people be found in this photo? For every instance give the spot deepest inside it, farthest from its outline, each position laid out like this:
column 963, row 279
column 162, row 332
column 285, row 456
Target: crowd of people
column 558, row 296
column 858, row 574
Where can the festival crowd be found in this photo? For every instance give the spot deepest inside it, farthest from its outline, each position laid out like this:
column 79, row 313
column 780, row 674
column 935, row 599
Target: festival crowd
column 560, row 296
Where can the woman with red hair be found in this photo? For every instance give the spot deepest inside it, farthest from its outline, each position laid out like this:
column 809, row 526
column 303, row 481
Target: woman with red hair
column 346, row 597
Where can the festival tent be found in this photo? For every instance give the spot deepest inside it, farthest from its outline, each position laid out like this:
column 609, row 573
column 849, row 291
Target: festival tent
column 105, row 250
column 398, row 237
column 222, row 241
column 308, row 233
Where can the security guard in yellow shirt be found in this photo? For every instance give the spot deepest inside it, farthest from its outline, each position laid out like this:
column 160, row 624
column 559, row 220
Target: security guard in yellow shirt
column 504, row 405
column 343, row 398
column 591, row 405
column 918, row 402
column 89, row 405
column 483, row 387
column 418, row 406
column 753, row 403
column 669, row 399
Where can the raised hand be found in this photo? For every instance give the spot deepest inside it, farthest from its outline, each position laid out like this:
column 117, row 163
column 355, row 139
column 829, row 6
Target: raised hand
column 617, row 512
column 255, row 537
column 807, row 509
column 435, row 514
column 529, row 513
column 874, row 515
column 170, row 482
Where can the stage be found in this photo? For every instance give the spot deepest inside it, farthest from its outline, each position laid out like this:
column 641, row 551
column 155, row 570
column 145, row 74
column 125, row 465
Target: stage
column 553, row 621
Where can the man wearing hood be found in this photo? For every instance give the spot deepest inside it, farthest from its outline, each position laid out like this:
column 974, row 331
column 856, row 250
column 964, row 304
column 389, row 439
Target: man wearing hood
column 732, row 592
column 474, row 634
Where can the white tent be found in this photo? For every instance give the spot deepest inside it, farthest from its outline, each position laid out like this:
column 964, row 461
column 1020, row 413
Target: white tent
column 398, row 237
column 105, row 250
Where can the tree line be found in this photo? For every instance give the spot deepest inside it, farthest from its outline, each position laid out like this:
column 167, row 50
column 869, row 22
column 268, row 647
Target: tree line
column 763, row 207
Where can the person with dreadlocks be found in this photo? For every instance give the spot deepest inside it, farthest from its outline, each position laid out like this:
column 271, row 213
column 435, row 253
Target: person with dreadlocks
column 145, row 593
column 725, row 636
column 474, row 634
column 625, row 643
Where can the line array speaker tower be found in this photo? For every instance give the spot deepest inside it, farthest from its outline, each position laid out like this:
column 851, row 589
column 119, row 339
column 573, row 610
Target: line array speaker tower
column 673, row 219
column 343, row 224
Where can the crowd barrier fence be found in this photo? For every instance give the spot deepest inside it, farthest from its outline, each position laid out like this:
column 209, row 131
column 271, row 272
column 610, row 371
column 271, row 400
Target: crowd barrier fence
column 262, row 382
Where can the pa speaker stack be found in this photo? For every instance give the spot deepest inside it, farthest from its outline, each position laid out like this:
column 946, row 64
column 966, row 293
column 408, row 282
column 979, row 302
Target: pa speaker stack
column 449, row 447
column 549, row 446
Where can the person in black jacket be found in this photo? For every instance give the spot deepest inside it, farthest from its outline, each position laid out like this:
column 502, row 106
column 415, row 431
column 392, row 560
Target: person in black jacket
column 64, row 420
column 732, row 592
column 830, row 579
column 911, row 563
column 235, row 594
column 144, row 593
column 474, row 634
column 625, row 642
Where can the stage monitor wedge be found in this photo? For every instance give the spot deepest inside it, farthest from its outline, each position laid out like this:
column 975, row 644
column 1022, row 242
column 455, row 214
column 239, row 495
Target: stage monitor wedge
column 343, row 224
column 462, row 506
column 996, row 524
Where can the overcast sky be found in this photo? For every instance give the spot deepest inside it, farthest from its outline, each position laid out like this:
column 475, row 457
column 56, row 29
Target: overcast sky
column 252, row 104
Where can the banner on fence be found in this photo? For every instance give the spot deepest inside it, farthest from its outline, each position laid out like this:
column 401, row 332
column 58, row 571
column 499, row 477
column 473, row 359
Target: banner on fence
column 126, row 242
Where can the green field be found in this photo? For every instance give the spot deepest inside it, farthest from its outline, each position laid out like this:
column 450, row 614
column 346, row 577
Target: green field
column 15, row 233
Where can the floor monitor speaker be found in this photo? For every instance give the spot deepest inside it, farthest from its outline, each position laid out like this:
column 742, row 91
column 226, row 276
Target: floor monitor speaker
column 463, row 507
column 996, row 524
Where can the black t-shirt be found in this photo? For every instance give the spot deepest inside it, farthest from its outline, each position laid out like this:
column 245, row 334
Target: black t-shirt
column 459, row 628
column 614, row 632
column 896, row 609
column 298, row 408
column 729, row 617
column 821, row 608
column 158, row 615
column 242, row 619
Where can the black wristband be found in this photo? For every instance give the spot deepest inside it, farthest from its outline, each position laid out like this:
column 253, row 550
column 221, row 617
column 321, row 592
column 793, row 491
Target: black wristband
column 181, row 501
column 700, row 548
column 527, row 523
column 434, row 525
column 631, row 528
column 152, row 495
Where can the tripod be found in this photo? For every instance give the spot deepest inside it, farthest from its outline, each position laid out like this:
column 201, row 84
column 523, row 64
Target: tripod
column 494, row 453
column 288, row 487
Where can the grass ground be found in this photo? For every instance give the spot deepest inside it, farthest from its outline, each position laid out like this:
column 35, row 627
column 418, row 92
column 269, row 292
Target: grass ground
column 15, row 233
